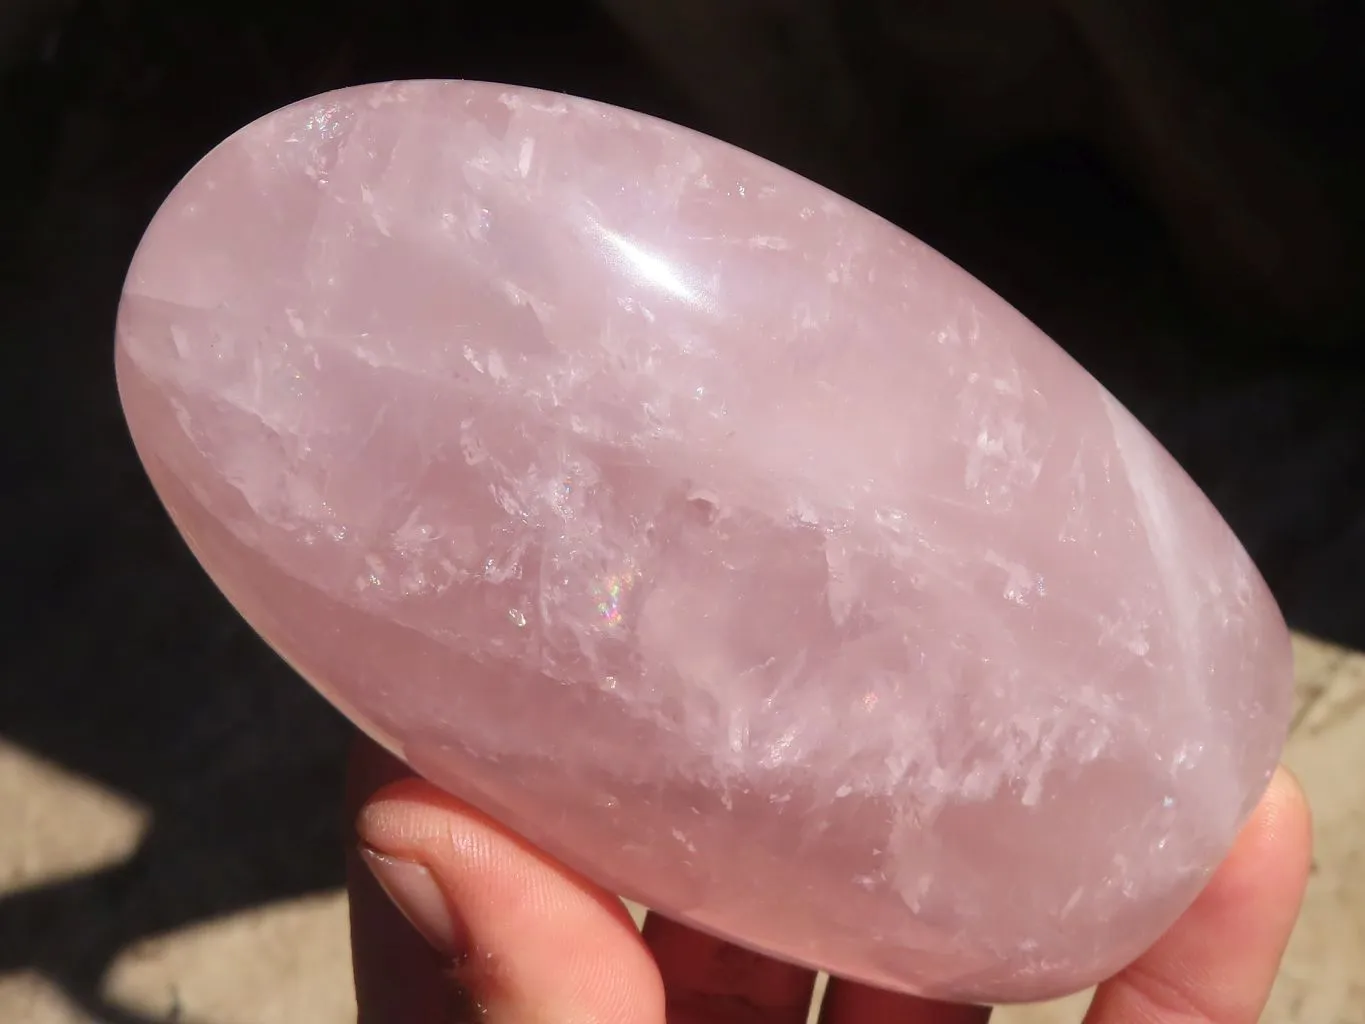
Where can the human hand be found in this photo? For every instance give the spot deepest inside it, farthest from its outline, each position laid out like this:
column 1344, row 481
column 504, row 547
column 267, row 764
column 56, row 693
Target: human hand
column 497, row 932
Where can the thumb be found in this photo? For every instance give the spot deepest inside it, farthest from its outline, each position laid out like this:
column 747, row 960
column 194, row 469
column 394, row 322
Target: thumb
column 454, row 919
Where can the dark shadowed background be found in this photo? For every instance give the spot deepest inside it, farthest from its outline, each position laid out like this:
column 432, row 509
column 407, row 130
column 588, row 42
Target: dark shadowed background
column 1172, row 190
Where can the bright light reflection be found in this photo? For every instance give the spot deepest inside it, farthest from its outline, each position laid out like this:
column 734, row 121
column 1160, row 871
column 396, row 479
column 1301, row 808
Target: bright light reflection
column 650, row 269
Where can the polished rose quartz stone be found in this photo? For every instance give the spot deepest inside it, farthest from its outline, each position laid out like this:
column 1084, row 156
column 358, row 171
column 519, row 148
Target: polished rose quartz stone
column 710, row 531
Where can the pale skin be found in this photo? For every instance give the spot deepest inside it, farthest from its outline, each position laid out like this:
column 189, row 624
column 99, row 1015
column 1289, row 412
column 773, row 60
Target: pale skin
column 515, row 938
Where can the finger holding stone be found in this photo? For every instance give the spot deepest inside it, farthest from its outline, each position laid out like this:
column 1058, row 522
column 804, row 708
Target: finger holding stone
column 850, row 1003
column 514, row 936
column 710, row 981
column 1218, row 963
column 398, row 974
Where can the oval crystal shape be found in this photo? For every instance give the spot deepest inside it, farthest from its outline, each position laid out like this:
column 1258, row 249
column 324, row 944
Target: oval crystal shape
column 707, row 529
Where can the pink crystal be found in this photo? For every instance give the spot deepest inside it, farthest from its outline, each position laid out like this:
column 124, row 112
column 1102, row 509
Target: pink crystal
column 712, row 532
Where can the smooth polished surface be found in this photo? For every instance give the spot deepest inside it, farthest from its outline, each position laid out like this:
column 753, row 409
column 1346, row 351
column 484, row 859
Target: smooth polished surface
column 709, row 530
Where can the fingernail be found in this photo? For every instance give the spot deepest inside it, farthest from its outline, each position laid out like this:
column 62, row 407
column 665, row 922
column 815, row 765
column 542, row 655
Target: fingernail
column 415, row 892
